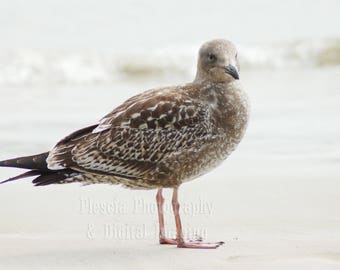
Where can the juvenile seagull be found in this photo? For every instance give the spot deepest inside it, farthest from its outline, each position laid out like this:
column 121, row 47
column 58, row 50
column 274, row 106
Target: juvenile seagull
column 158, row 139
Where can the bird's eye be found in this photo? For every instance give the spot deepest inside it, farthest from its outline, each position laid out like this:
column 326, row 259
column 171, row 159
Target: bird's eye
column 235, row 56
column 212, row 57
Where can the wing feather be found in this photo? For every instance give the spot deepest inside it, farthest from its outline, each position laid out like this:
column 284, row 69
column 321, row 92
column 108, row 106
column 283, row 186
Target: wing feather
column 131, row 142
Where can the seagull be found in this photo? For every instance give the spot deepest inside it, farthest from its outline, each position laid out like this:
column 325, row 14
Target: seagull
column 158, row 139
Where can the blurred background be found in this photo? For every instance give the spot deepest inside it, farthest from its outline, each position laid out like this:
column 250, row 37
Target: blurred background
column 65, row 64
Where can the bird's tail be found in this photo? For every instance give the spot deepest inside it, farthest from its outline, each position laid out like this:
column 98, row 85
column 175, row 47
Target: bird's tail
column 38, row 167
column 36, row 162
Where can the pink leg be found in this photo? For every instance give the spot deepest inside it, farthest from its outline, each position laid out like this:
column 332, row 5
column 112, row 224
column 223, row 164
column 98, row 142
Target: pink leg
column 162, row 239
column 180, row 241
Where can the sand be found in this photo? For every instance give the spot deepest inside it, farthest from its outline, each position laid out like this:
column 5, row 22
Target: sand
column 268, row 219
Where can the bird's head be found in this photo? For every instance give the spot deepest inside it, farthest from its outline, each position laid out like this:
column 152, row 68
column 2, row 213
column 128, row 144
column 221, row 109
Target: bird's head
column 218, row 62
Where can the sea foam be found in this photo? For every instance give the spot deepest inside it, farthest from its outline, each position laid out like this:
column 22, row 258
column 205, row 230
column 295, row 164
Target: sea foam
column 33, row 66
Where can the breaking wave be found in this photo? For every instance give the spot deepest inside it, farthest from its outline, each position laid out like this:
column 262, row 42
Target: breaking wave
column 28, row 66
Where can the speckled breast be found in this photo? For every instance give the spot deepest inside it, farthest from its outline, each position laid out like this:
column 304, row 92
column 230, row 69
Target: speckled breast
column 229, row 119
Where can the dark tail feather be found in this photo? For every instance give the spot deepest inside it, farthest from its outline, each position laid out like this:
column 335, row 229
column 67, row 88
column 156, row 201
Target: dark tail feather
column 36, row 162
column 55, row 177
column 46, row 178
column 38, row 166
column 20, row 176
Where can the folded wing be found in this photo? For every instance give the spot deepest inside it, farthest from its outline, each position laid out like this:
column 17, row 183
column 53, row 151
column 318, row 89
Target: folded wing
column 132, row 140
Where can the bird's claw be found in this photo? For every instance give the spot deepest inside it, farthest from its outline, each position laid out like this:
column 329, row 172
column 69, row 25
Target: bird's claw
column 195, row 243
column 199, row 245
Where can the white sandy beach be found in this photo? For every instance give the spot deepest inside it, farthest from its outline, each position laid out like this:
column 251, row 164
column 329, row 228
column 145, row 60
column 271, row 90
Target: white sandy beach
column 269, row 219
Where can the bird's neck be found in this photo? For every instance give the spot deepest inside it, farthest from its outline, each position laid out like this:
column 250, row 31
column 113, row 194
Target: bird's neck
column 228, row 103
column 200, row 76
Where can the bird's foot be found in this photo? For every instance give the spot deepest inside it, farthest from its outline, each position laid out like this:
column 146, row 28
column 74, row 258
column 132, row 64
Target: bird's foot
column 196, row 243
column 173, row 241
column 199, row 244
column 167, row 241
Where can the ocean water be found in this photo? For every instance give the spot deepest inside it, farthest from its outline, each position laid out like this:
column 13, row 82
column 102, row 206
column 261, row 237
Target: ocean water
column 86, row 42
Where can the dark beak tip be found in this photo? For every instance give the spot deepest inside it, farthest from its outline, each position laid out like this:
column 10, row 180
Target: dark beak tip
column 232, row 71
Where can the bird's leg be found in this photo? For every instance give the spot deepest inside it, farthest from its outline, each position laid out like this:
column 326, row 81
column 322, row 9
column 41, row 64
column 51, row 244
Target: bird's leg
column 179, row 236
column 160, row 202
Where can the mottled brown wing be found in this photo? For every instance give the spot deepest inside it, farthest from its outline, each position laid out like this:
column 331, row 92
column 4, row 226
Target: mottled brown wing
column 156, row 109
column 133, row 145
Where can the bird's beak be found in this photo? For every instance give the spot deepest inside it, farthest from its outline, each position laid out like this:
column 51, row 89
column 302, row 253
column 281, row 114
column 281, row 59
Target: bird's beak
column 232, row 70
